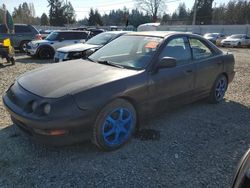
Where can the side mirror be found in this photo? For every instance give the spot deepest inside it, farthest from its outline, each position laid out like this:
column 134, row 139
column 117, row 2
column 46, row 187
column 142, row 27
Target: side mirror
column 167, row 62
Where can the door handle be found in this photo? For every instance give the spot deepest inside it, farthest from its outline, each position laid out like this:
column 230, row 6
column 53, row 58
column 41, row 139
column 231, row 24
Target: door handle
column 75, row 41
column 219, row 62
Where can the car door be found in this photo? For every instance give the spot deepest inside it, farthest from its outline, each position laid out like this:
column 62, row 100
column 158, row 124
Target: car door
column 22, row 33
column 169, row 85
column 208, row 63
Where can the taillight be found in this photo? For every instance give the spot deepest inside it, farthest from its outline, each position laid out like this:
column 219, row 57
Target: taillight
column 38, row 37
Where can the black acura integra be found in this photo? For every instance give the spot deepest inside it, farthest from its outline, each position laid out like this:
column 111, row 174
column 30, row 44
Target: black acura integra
column 103, row 97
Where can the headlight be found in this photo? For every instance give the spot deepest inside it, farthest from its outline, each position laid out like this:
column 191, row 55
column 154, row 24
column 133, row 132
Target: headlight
column 46, row 108
column 75, row 55
column 35, row 45
column 34, row 105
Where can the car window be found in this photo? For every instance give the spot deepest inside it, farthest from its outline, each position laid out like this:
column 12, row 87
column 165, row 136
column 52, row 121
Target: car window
column 73, row 35
column 101, row 39
column 199, row 49
column 52, row 36
column 3, row 29
column 130, row 51
column 177, row 48
column 22, row 29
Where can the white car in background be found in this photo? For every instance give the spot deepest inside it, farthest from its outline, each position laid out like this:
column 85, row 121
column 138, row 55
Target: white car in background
column 238, row 40
column 45, row 49
column 83, row 50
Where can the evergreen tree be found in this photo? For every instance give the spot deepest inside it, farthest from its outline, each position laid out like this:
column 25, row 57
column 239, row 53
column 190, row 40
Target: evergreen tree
column 44, row 19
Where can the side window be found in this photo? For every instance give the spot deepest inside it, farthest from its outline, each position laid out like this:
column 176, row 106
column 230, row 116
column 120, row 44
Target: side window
column 177, row 48
column 199, row 49
column 3, row 29
column 22, row 29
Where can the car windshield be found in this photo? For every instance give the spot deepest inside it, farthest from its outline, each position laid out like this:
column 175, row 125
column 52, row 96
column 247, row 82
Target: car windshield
column 52, row 36
column 128, row 51
column 236, row 36
column 101, row 39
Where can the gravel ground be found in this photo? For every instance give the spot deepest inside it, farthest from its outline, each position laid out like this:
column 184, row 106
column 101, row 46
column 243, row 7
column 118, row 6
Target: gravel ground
column 200, row 145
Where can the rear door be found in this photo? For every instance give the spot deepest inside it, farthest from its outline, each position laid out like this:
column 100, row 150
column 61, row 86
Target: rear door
column 208, row 63
column 169, row 85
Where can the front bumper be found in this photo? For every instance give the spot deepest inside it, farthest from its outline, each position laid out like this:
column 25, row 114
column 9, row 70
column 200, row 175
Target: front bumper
column 77, row 126
column 229, row 44
column 31, row 51
column 55, row 140
column 60, row 56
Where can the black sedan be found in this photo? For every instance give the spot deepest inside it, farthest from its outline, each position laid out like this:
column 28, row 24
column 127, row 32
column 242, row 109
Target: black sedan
column 104, row 97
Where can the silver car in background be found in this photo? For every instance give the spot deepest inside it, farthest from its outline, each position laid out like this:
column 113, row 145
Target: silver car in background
column 238, row 40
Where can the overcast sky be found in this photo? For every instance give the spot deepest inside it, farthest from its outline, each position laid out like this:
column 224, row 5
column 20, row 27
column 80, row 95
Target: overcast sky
column 104, row 6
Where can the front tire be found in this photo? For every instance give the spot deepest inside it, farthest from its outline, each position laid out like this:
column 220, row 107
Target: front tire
column 45, row 53
column 114, row 126
column 219, row 89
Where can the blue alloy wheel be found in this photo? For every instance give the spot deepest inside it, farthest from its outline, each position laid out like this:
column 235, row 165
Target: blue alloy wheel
column 219, row 89
column 115, row 125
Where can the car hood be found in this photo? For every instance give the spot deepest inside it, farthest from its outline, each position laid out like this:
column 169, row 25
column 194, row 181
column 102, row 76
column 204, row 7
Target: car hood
column 71, row 77
column 77, row 47
column 210, row 38
column 33, row 42
column 231, row 40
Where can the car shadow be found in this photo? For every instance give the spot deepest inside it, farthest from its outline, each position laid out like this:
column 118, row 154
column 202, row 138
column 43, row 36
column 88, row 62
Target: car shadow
column 25, row 59
column 205, row 134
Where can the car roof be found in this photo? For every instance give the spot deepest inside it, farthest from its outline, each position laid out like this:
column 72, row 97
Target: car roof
column 69, row 31
column 162, row 34
column 117, row 32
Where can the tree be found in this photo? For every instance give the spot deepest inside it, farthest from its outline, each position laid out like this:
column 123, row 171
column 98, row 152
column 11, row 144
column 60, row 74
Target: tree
column 152, row 7
column 24, row 13
column 204, row 12
column 95, row 18
column 44, row 19
column 56, row 13
column 69, row 13
column 91, row 20
column 2, row 13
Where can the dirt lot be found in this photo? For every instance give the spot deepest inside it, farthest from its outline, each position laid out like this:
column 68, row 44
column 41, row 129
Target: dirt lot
column 200, row 145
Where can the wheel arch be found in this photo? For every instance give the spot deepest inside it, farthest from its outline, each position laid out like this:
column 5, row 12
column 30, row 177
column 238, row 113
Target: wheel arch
column 45, row 46
column 135, row 105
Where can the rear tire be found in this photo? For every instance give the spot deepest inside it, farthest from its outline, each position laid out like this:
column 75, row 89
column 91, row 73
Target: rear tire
column 219, row 89
column 114, row 126
column 23, row 46
column 239, row 45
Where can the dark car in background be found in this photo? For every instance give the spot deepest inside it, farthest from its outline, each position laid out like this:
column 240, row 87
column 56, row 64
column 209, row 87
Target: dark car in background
column 214, row 37
column 131, row 77
column 23, row 34
column 45, row 49
column 82, row 50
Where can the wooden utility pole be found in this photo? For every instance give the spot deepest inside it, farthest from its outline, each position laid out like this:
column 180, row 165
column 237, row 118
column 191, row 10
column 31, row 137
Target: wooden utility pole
column 195, row 10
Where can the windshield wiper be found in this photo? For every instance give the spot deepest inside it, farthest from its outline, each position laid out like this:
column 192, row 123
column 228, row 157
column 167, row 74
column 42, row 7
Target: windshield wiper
column 110, row 63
